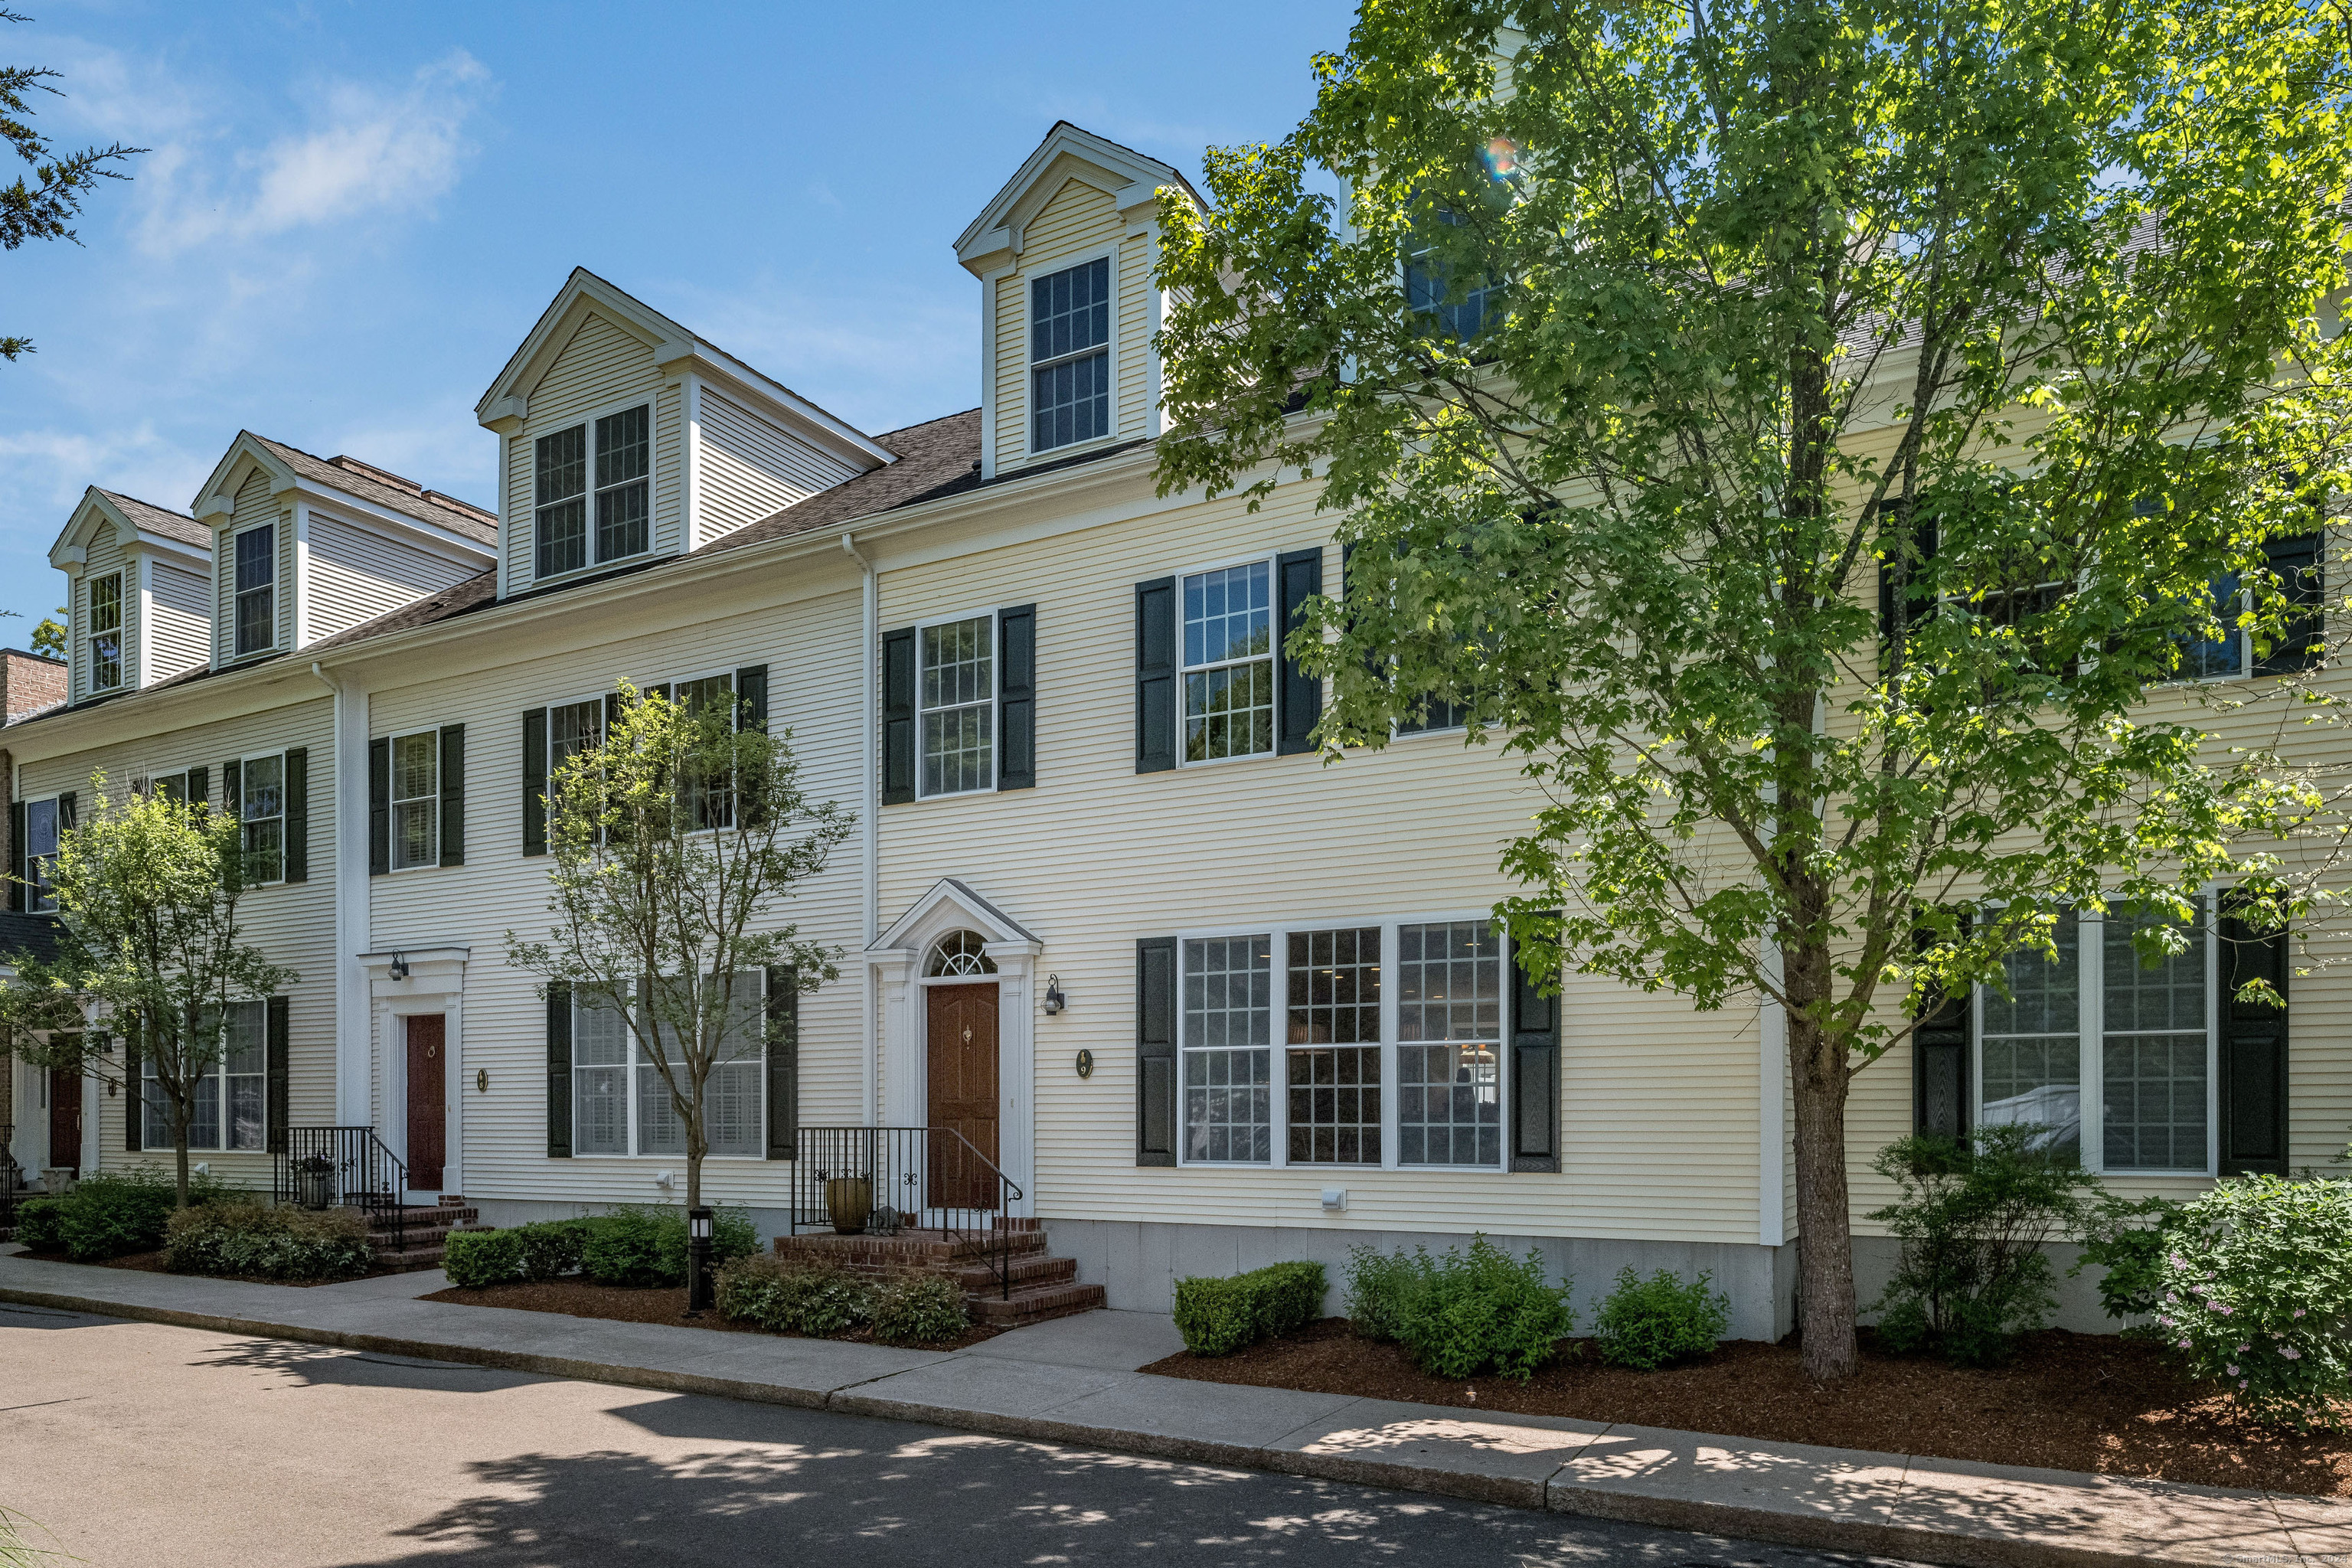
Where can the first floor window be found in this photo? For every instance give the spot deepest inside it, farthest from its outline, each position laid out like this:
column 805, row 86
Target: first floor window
column 1450, row 1043
column 956, row 689
column 621, row 1105
column 1228, row 651
column 2139, row 1098
column 1228, row 1032
column 231, row 1105
column 1333, row 1078
column 261, row 809
column 416, row 799
column 40, row 849
column 105, row 632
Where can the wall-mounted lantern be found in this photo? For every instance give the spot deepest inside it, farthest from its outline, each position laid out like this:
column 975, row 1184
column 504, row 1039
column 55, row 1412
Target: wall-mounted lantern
column 400, row 966
column 1054, row 1000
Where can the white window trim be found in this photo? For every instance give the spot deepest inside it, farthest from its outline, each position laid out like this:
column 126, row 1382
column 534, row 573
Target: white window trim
column 530, row 439
column 244, row 767
column 228, row 632
column 994, row 702
column 1274, row 611
column 2090, row 947
column 629, row 1079
column 91, row 634
column 1030, row 453
column 34, row 902
column 220, row 1075
column 1277, row 932
column 727, row 674
column 392, row 800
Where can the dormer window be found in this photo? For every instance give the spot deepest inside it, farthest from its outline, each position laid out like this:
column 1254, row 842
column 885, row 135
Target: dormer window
column 105, row 632
column 623, row 467
column 1069, row 353
column 257, row 589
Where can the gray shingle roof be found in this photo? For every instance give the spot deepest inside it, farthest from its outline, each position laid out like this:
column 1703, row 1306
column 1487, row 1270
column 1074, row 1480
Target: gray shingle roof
column 161, row 519
column 36, row 934
column 389, row 490
column 937, row 458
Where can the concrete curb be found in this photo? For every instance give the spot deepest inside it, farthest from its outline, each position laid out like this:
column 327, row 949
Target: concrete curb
column 1558, row 1490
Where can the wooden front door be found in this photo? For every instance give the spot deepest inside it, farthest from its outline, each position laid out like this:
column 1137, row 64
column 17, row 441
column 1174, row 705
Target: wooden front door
column 428, row 1102
column 962, row 1057
column 65, row 1120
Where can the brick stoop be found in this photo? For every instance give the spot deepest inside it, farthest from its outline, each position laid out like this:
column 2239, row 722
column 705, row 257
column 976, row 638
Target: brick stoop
column 1043, row 1286
column 428, row 1228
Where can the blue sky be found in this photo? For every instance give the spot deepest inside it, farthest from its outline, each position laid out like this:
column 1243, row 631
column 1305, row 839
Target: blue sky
column 352, row 214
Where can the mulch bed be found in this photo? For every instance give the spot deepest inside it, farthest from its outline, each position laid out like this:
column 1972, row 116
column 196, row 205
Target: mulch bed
column 641, row 1304
column 2067, row 1401
column 153, row 1263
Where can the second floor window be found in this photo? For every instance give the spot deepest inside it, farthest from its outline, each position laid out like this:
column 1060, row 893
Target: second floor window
column 956, row 688
column 40, row 848
column 416, row 800
column 1069, row 355
column 615, row 451
column 261, row 811
column 257, row 589
column 105, row 632
column 1228, row 651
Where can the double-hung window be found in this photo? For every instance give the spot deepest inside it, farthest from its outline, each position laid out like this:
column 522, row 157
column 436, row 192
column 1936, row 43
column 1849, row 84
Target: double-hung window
column 230, row 1108
column 105, row 645
column 257, row 589
column 1069, row 355
column 1228, row 653
column 2112, row 1058
column 40, row 849
column 1429, row 290
column 621, row 1105
column 416, row 800
column 261, row 812
column 615, row 452
column 710, row 799
column 1391, row 1052
column 956, row 695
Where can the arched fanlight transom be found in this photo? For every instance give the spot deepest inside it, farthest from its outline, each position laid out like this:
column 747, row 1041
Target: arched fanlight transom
column 958, row 953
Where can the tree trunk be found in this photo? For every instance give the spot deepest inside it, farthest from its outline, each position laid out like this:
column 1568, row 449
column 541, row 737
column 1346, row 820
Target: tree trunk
column 180, row 1114
column 1825, row 1244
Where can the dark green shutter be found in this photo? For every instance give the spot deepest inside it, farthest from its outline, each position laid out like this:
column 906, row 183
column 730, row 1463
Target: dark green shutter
column 751, row 697
column 534, row 782
column 1155, row 676
column 232, row 789
column 1298, row 577
column 16, row 899
column 379, row 806
column 297, row 804
column 453, row 794
column 2302, row 639
column 134, row 1091
column 783, row 1004
column 2254, row 1053
column 1155, row 1051
column 66, row 811
column 1902, row 519
column 1535, row 1075
column 281, row 1056
column 899, row 716
column 200, row 786
column 1016, row 697
column 559, row 1071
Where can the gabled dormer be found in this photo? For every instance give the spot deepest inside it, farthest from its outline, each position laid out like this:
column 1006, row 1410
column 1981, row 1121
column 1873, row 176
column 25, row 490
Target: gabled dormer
column 624, row 438
column 304, row 547
column 1065, row 254
column 137, row 577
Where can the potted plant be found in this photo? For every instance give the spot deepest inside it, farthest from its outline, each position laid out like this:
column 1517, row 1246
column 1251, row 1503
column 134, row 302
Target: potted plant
column 848, row 1200
column 314, row 1182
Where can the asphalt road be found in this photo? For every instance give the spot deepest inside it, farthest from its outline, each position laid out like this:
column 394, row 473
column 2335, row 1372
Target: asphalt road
column 137, row 1445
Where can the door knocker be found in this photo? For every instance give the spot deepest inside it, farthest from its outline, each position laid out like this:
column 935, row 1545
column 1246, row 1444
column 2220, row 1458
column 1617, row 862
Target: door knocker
column 967, row 1034
column 432, row 1051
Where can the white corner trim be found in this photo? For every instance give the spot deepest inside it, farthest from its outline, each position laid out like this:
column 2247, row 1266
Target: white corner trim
column 302, row 583
column 1771, row 1128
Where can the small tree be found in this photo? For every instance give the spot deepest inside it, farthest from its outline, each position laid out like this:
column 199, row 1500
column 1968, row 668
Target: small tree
column 149, row 946
column 672, row 840
column 44, row 206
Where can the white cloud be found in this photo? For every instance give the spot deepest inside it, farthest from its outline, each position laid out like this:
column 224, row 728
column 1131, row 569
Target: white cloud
column 45, row 471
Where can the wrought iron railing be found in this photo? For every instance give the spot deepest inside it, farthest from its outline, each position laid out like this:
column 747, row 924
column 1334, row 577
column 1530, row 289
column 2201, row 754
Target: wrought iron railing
column 325, row 1167
column 896, row 1180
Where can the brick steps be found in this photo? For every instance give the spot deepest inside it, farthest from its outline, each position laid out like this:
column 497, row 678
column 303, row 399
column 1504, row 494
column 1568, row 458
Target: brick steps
column 426, row 1232
column 1043, row 1286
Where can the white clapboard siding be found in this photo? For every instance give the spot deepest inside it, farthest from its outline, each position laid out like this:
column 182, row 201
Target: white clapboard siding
column 253, row 504
column 1080, row 221
column 294, row 923
column 178, row 620
column 358, row 574
column 601, row 369
column 753, row 469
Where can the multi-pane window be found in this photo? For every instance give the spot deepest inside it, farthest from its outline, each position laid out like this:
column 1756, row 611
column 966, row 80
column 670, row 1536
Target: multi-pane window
column 1069, row 355
column 416, row 800
column 620, row 461
column 261, row 811
column 709, row 798
column 105, row 632
column 2206, row 657
column 2148, row 1085
column 40, row 849
column 572, row 728
column 956, row 688
column 1333, row 1062
column 1449, row 1044
column 1428, row 293
column 1228, row 648
column 1228, row 1023
column 231, row 1104
column 621, row 1105
column 257, row 589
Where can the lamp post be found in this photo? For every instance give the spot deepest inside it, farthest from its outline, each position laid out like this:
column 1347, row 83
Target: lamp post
column 698, row 1261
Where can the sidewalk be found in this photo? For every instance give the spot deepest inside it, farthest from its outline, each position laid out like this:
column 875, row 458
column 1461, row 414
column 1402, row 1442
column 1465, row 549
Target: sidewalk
column 1072, row 1381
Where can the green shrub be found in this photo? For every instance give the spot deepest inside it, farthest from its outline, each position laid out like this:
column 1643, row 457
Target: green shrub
column 637, row 1245
column 473, row 1259
column 1649, row 1323
column 1378, row 1284
column 2257, row 1294
column 40, row 1225
column 1972, row 1220
column 112, row 1212
column 922, row 1310
column 284, row 1243
column 793, row 1297
column 2127, row 1241
column 549, row 1249
column 1219, row 1315
column 1483, row 1311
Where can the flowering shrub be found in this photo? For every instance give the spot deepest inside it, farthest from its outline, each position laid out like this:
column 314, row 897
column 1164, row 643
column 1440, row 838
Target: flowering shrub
column 2257, row 1294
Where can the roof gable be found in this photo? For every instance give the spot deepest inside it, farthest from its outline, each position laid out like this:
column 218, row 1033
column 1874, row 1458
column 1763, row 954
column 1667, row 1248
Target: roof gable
column 362, row 485
column 1068, row 153
column 133, row 521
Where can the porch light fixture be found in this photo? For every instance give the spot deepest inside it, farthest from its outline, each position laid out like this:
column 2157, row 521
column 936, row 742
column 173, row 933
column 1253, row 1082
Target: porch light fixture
column 400, row 966
column 1054, row 1000
column 698, row 1261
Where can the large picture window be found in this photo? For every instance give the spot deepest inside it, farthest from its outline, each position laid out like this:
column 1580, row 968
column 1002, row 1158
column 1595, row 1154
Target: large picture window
column 956, row 691
column 615, row 452
column 621, row 1106
column 2140, row 1098
column 257, row 589
column 231, row 1109
column 1450, row 1043
column 1228, row 650
column 105, row 645
column 1069, row 355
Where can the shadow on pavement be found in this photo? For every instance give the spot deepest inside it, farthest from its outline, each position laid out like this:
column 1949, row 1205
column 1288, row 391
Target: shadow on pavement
column 361, row 1369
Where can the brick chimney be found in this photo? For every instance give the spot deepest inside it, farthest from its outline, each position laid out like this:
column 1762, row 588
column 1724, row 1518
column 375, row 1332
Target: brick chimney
column 27, row 681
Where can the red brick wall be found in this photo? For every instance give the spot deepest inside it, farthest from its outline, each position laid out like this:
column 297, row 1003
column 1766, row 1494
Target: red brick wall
column 28, row 682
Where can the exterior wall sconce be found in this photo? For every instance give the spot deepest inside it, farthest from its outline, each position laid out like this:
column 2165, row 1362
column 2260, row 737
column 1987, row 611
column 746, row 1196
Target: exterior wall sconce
column 400, row 966
column 1054, row 1000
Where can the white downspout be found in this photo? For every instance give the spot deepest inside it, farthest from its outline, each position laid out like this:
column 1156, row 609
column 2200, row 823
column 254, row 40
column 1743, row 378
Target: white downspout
column 354, row 1067
column 869, row 846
